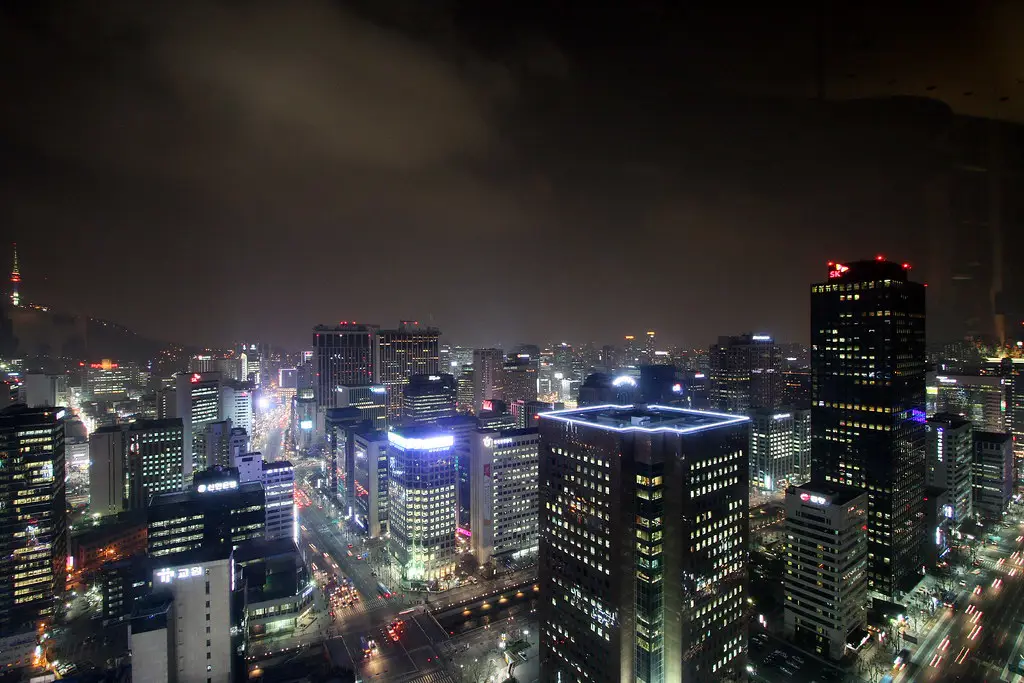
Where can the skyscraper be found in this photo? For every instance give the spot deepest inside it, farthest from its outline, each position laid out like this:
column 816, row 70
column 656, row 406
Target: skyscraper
column 33, row 532
column 422, row 514
column 950, row 452
column 409, row 350
column 15, row 279
column 519, row 378
column 131, row 462
column 428, row 398
column 868, row 406
column 487, row 364
column 745, row 373
column 643, row 524
column 343, row 355
column 197, row 403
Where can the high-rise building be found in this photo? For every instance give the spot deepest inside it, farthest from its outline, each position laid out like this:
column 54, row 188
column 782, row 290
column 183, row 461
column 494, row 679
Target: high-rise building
column 801, row 444
column 461, row 427
column 745, row 373
column 949, row 452
column 337, row 454
column 643, row 524
column 409, row 350
column 236, row 404
column 39, row 390
column 212, row 443
column 108, row 380
column 343, row 355
column 370, row 481
column 982, row 399
column 487, row 365
column 422, row 502
column 504, row 507
column 197, row 403
column 131, row 462
column 519, row 378
column 826, row 566
column 868, row 407
column 428, row 398
column 217, row 511
column 15, row 279
column 33, row 530
column 186, row 630
column 992, row 474
column 278, row 480
column 772, row 450
column 464, row 389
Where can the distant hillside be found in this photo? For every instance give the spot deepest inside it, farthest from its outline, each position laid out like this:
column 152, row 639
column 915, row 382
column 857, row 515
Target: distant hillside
column 29, row 331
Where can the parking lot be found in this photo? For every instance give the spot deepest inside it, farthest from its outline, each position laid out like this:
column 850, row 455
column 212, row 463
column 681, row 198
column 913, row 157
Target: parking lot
column 777, row 661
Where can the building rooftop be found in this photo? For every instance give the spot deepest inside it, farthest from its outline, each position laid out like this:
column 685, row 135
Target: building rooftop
column 950, row 420
column 194, row 496
column 644, row 418
column 838, row 493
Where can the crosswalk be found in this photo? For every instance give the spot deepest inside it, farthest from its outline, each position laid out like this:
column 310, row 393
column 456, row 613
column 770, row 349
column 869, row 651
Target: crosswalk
column 432, row 677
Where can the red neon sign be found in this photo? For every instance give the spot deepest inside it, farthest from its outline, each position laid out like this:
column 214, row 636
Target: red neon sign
column 487, row 405
column 196, row 378
column 805, row 497
column 838, row 271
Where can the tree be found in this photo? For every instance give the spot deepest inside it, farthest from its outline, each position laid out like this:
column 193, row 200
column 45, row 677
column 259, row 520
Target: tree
column 880, row 663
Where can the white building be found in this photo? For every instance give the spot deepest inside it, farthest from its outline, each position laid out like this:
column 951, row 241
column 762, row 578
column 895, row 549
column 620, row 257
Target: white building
column 236, row 405
column 249, row 466
column 282, row 514
column 949, row 452
column 504, row 500
column 188, row 640
column 825, row 582
column 44, row 391
column 772, row 450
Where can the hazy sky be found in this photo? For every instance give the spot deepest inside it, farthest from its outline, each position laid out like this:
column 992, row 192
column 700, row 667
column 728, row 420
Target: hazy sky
column 207, row 171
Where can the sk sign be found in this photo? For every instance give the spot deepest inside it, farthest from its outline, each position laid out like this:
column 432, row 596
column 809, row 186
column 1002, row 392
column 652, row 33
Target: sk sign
column 817, row 500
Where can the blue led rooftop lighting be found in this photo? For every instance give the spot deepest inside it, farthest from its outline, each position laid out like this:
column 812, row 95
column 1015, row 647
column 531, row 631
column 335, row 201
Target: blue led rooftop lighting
column 575, row 416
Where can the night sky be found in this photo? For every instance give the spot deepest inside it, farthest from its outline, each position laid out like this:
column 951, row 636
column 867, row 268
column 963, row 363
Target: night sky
column 507, row 171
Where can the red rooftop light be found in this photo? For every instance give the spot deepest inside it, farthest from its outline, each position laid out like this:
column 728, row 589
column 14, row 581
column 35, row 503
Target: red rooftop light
column 906, row 266
column 879, row 258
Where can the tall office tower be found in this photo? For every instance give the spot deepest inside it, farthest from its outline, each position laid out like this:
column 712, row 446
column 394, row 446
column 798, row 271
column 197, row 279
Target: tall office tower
column 796, row 388
column 337, row 454
column 422, row 482
column 519, row 378
column 464, row 390
column 33, row 532
column 504, row 502
column 281, row 512
column 772, row 450
column 212, row 444
column 601, row 389
column 650, row 348
column 197, row 403
column 745, row 372
column 131, row 462
column 186, row 630
column 826, row 566
column 236, row 404
column 409, row 350
column 801, row 444
column 343, row 355
column 867, row 411
column 949, row 453
column 458, row 358
column 630, row 352
column 371, row 401
column 609, row 358
column 108, row 380
column 370, row 481
column 428, row 398
column 982, row 399
column 992, row 474
column 461, row 427
column 487, row 365
column 643, row 524
column 15, row 279
column 40, row 390
column 217, row 511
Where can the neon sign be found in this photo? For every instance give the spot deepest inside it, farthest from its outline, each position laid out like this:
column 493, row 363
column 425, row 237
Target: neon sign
column 217, row 486
column 817, row 500
column 196, row 378
column 168, row 575
column 624, row 380
column 837, row 271
column 487, row 405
